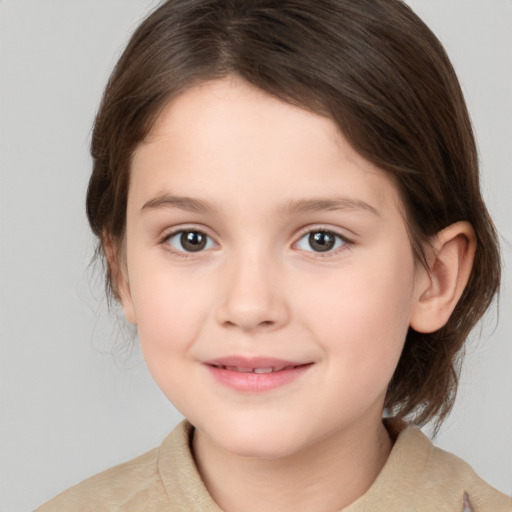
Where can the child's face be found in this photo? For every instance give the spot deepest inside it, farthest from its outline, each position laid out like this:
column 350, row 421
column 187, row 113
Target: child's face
column 257, row 238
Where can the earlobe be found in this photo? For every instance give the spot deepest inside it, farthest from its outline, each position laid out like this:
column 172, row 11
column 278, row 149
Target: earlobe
column 125, row 298
column 449, row 266
column 120, row 283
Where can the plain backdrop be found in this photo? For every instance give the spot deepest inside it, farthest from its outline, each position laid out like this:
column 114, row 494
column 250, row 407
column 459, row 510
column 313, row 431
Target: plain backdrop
column 75, row 399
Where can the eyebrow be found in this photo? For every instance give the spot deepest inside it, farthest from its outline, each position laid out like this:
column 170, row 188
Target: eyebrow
column 293, row 206
column 334, row 204
column 182, row 203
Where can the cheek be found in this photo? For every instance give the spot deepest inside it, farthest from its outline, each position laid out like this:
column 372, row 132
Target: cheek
column 170, row 314
column 362, row 318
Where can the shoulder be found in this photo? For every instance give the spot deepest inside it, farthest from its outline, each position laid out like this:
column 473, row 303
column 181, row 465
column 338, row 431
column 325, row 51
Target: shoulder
column 418, row 476
column 111, row 490
column 454, row 475
column 164, row 479
column 154, row 481
column 445, row 481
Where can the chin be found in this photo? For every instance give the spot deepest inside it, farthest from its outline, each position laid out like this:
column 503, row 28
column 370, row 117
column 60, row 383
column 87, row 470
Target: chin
column 256, row 439
column 261, row 446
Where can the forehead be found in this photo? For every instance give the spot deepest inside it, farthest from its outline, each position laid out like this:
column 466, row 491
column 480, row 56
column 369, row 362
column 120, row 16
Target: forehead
column 232, row 136
column 232, row 107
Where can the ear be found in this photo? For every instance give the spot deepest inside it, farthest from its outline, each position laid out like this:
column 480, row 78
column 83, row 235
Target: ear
column 119, row 275
column 440, row 287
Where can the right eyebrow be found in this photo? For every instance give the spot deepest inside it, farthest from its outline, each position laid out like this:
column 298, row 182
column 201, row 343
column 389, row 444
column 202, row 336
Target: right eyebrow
column 182, row 203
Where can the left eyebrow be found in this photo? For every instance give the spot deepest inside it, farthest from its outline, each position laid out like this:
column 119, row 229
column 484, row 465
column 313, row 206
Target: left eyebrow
column 322, row 204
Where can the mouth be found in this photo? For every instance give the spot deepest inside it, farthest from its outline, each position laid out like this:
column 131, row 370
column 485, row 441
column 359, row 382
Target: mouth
column 264, row 369
column 255, row 375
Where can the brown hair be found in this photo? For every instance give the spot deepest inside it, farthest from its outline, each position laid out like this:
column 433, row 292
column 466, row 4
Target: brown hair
column 379, row 73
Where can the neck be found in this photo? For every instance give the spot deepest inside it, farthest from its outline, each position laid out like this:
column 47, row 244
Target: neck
column 325, row 477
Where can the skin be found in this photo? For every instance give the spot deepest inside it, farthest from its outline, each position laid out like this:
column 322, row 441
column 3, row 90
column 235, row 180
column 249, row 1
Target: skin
column 261, row 173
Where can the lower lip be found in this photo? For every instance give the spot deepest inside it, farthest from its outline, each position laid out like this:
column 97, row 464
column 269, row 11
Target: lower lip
column 256, row 382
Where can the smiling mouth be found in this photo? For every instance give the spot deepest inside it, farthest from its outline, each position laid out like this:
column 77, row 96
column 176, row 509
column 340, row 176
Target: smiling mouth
column 256, row 375
column 266, row 369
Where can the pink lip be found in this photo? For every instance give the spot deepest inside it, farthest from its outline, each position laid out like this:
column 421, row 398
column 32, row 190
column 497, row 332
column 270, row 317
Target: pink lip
column 255, row 375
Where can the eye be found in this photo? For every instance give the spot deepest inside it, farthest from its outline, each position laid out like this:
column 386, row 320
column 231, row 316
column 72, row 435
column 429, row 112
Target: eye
column 320, row 241
column 189, row 241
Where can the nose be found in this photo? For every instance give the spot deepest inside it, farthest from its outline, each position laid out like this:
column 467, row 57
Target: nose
column 253, row 296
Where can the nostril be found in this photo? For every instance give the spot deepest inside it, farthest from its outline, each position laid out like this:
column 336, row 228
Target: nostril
column 264, row 324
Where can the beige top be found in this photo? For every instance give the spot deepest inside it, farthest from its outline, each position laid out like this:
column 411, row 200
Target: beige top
column 416, row 477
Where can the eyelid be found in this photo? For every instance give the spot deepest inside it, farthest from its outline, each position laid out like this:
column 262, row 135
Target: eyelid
column 347, row 242
column 176, row 230
column 313, row 228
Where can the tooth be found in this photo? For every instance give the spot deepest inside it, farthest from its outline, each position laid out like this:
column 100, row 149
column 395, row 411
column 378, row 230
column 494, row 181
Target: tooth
column 231, row 368
column 263, row 370
column 279, row 368
column 243, row 370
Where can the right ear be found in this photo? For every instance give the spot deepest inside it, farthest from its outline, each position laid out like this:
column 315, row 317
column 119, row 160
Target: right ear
column 119, row 277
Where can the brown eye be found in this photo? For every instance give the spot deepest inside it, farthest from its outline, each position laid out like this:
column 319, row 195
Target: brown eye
column 190, row 241
column 320, row 241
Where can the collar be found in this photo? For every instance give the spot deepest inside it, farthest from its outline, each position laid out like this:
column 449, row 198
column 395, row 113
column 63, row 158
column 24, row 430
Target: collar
column 417, row 476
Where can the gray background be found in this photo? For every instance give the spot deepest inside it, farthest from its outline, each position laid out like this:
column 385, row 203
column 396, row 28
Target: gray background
column 74, row 398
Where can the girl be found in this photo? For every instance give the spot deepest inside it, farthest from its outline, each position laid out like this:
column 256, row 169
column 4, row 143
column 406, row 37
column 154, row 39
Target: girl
column 286, row 196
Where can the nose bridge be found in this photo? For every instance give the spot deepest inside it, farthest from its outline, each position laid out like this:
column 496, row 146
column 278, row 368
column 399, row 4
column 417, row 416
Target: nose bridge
column 253, row 297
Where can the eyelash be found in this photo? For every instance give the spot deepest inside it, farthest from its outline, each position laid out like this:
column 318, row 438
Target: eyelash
column 341, row 243
column 180, row 232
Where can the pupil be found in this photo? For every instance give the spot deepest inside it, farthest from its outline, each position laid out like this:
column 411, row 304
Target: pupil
column 193, row 241
column 321, row 241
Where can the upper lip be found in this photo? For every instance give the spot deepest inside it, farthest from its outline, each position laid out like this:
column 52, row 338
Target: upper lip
column 253, row 362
